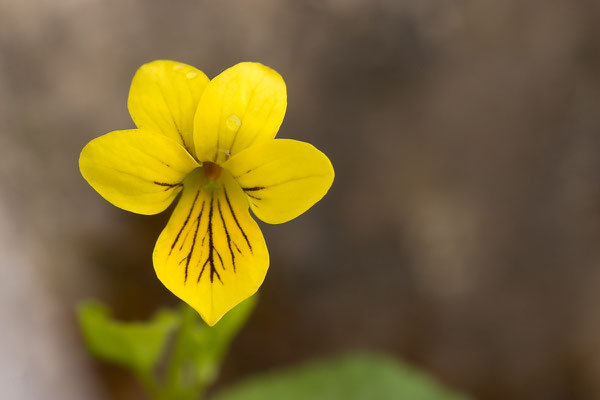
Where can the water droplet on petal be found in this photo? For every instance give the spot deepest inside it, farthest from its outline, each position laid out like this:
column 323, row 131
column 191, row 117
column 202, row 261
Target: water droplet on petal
column 178, row 67
column 233, row 122
column 191, row 74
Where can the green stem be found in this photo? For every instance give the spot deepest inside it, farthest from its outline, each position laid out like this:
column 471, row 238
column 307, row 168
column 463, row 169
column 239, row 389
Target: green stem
column 174, row 388
column 149, row 383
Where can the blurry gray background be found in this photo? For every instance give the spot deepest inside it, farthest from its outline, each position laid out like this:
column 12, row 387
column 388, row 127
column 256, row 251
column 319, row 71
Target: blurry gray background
column 461, row 234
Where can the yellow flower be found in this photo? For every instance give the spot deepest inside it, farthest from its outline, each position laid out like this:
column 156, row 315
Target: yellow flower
column 215, row 141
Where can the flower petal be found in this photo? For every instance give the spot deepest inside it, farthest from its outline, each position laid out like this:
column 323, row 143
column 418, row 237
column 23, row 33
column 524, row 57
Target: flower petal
column 212, row 253
column 135, row 170
column 163, row 98
column 243, row 105
column 282, row 178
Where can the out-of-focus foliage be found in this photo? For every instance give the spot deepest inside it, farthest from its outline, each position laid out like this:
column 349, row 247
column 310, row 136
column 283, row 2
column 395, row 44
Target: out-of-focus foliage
column 205, row 343
column 194, row 358
column 200, row 349
column 134, row 345
column 352, row 377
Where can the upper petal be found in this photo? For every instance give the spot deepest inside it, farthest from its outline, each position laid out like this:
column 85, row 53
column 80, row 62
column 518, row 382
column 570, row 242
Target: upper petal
column 164, row 96
column 282, row 178
column 211, row 254
column 243, row 105
column 135, row 170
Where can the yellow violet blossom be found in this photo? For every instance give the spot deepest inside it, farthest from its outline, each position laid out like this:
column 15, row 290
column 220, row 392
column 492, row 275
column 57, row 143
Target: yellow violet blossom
column 214, row 141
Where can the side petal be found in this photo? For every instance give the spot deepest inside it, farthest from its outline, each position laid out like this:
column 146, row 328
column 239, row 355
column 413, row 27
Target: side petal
column 212, row 253
column 163, row 98
column 135, row 170
column 282, row 178
column 243, row 105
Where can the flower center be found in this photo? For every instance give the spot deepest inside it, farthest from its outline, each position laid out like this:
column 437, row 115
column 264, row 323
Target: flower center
column 212, row 170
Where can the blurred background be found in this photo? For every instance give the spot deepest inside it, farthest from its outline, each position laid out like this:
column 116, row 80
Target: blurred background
column 461, row 234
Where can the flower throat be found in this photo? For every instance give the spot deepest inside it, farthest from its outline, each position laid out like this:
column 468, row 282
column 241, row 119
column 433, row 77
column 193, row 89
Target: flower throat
column 212, row 170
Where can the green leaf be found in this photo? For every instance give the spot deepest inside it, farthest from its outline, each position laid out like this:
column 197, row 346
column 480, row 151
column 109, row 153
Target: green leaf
column 352, row 377
column 134, row 345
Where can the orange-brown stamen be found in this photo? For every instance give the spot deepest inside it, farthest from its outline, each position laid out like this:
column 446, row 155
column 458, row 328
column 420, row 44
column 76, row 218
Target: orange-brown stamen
column 212, row 170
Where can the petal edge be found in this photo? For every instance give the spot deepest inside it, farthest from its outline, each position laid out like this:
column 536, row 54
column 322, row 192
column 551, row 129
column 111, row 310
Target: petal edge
column 243, row 105
column 282, row 178
column 137, row 171
column 163, row 97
